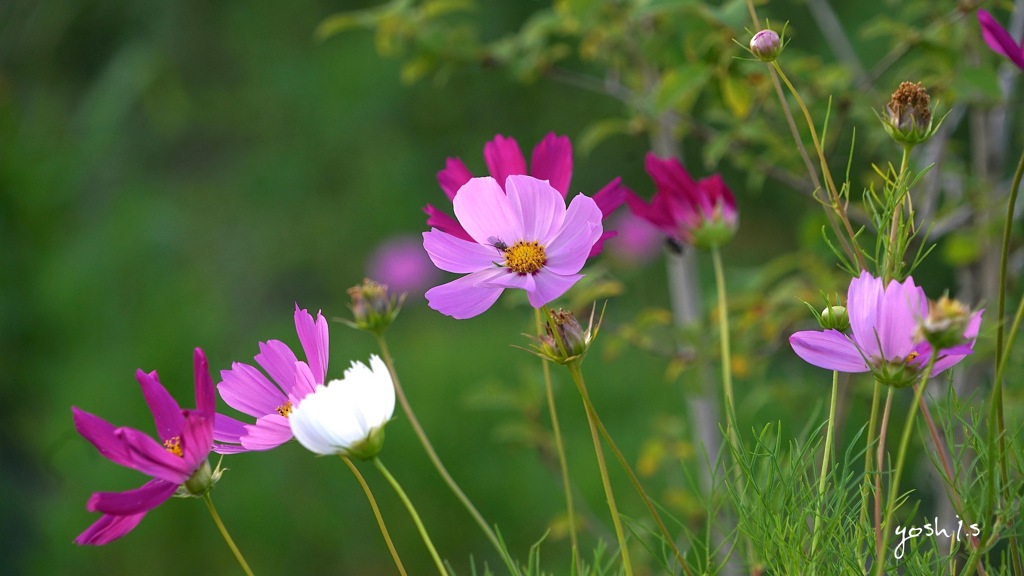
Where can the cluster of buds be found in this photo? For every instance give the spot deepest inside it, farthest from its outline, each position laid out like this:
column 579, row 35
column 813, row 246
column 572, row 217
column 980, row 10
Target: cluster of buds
column 373, row 308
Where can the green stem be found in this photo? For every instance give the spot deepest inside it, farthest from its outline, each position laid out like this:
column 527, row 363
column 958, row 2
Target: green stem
column 560, row 449
column 868, row 473
column 436, row 461
column 577, row 377
column 723, row 330
column 825, row 461
column 830, row 184
column 879, row 466
column 894, row 487
column 227, row 537
column 997, row 389
column 589, row 406
column 894, row 256
column 412, row 512
column 376, row 513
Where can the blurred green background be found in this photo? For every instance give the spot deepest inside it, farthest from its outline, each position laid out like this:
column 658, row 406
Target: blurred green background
column 179, row 175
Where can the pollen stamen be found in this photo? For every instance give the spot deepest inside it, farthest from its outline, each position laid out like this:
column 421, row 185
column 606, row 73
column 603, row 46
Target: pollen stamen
column 285, row 409
column 525, row 257
column 173, row 445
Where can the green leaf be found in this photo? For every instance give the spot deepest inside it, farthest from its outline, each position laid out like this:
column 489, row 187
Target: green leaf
column 599, row 131
column 680, row 87
column 737, row 96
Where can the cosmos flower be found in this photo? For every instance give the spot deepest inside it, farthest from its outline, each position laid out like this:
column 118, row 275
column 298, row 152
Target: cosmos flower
column 347, row 416
column 999, row 40
column 886, row 334
column 270, row 400
column 698, row 213
column 400, row 264
column 551, row 160
column 521, row 237
column 177, row 461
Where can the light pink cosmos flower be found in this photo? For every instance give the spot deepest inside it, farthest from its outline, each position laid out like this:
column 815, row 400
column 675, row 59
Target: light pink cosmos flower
column 688, row 212
column 551, row 160
column 179, row 458
column 271, row 400
column 400, row 264
column 999, row 40
column 885, row 339
column 521, row 237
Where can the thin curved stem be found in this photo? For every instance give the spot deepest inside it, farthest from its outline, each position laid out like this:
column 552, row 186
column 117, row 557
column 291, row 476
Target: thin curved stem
column 224, row 533
column 723, row 325
column 613, row 508
column 559, row 448
column 436, row 461
column 865, row 491
column 894, row 487
column 376, row 513
column 412, row 512
column 826, row 459
column 879, row 465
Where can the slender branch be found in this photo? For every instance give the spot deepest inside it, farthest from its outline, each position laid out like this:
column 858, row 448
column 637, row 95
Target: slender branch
column 412, row 512
column 224, row 533
column 376, row 513
column 826, row 459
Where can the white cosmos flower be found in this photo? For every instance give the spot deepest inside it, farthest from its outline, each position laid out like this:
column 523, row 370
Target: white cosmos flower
column 347, row 416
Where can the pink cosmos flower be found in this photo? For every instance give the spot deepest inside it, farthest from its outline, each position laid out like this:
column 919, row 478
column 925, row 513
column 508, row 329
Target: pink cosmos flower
column 551, row 160
column 179, row 458
column 885, row 334
column 271, row 400
column 698, row 213
column 400, row 264
column 999, row 40
column 520, row 237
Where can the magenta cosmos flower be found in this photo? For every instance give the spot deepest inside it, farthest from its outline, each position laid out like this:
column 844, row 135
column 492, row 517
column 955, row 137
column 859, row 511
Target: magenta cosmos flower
column 179, row 459
column 551, row 160
column 999, row 40
column 271, row 400
column 698, row 213
column 521, row 237
column 885, row 325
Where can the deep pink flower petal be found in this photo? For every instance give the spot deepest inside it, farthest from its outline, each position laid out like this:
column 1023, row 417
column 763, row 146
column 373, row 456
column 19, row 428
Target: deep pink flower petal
column 166, row 412
column 863, row 302
column 609, row 198
column 539, row 207
column 247, row 390
column 670, row 177
column 485, row 212
column 552, row 161
column 568, row 250
column 503, row 159
column 277, row 359
column 999, row 40
column 445, row 223
column 657, row 212
column 454, row 175
column 206, row 396
column 196, row 439
column 269, row 432
column 140, row 500
column 452, row 254
column 108, row 528
column 903, row 306
column 102, row 435
column 467, row 296
column 152, row 459
column 315, row 343
column 829, row 349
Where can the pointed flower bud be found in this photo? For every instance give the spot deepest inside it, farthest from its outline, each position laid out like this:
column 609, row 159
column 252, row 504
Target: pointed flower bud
column 373, row 308
column 564, row 340
column 766, row 45
column 908, row 116
column 945, row 324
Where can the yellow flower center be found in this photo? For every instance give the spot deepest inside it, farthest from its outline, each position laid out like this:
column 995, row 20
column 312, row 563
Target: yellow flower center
column 285, row 409
column 173, row 445
column 525, row 257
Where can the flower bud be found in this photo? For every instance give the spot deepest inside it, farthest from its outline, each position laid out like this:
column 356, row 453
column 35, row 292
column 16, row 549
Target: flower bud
column 766, row 45
column 564, row 340
column 835, row 318
column 200, row 482
column 908, row 116
column 372, row 307
column 945, row 324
